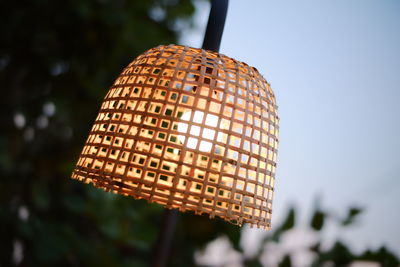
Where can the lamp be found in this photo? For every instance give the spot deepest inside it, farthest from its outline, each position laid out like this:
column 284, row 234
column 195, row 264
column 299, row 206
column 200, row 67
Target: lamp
column 188, row 128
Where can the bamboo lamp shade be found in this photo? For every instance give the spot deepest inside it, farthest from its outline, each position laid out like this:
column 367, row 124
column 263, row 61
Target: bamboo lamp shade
column 190, row 129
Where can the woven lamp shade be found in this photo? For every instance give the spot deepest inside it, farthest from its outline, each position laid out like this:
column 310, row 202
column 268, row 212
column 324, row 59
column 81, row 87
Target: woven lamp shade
column 190, row 129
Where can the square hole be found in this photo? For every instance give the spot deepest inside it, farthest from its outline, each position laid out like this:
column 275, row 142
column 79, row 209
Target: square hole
column 118, row 141
column 228, row 111
column 244, row 158
column 173, row 138
column 168, row 112
column 256, row 134
column 161, row 135
column 215, row 107
column 240, row 184
column 204, row 91
column 255, row 148
column 195, row 130
column 253, row 161
column 192, row 142
column 187, row 100
column 164, row 124
column 186, row 116
column 234, row 141
column 208, row 133
column 173, row 96
column 188, row 157
column 182, row 127
column 137, row 118
column 201, row 103
column 182, row 183
column 205, row 146
column 164, row 177
column 181, row 138
column 128, row 143
column 198, row 116
column 210, row 189
column 219, row 150
column 212, row 178
column 222, row 137
column 200, row 175
column 166, row 167
column 177, row 85
column 212, row 120
column 192, row 77
column 141, row 161
column 250, row 188
column 248, row 132
column 179, row 113
column 153, row 164
column 158, row 147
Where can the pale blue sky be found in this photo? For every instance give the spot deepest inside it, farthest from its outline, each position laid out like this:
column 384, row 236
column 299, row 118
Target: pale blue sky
column 335, row 69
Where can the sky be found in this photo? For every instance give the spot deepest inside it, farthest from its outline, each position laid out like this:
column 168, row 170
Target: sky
column 335, row 69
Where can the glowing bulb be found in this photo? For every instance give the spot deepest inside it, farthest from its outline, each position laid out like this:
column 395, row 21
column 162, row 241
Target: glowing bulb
column 205, row 137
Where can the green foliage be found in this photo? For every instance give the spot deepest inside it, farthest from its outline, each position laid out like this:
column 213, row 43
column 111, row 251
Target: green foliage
column 382, row 255
column 351, row 216
column 287, row 224
column 286, row 262
column 57, row 60
column 317, row 221
column 337, row 255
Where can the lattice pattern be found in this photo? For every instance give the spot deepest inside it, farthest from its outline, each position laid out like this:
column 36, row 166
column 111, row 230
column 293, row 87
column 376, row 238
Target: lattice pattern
column 189, row 129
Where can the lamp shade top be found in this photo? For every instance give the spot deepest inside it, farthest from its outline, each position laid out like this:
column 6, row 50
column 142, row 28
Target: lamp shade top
column 190, row 129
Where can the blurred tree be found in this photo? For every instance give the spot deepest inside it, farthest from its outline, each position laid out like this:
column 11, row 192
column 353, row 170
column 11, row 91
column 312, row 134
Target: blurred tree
column 57, row 59
column 337, row 255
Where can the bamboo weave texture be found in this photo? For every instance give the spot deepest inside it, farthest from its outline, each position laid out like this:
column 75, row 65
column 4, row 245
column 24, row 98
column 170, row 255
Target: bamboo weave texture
column 190, row 129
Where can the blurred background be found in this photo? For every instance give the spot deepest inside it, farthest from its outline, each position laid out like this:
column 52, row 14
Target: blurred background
column 334, row 67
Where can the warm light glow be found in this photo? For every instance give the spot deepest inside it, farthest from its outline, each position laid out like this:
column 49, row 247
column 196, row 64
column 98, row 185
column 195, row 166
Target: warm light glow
column 187, row 128
column 198, row 117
